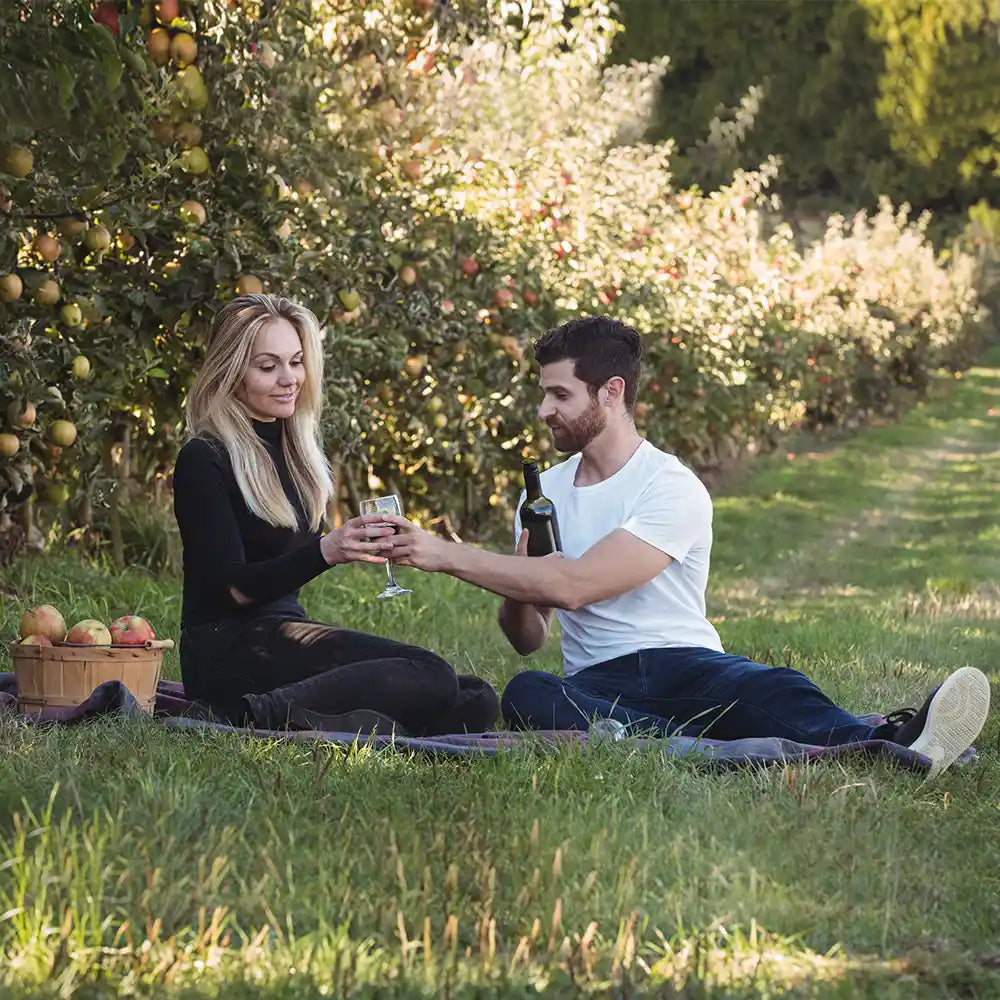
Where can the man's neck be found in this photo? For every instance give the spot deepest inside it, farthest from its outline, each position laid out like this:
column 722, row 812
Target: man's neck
column 607, row 453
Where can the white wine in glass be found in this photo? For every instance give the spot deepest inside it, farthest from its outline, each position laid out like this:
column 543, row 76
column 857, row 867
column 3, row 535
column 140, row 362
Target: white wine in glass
column 386, row 505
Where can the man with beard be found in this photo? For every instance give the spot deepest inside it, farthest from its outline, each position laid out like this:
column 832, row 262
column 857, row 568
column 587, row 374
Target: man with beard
column 629, row 587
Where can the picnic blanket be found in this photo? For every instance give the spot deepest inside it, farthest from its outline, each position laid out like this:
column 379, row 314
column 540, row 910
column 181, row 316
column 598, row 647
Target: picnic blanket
column 177, row 712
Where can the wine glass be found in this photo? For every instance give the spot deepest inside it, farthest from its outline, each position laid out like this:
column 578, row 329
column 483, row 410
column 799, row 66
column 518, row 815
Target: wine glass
column 386, row 505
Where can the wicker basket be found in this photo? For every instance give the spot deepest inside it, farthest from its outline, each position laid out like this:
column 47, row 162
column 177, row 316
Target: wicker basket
column 63, row 676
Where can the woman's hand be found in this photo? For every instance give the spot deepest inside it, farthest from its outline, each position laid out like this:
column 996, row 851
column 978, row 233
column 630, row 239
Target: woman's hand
column 358, row 540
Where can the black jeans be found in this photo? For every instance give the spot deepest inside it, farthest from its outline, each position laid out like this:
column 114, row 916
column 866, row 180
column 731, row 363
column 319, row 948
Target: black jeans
column 261, row 670
column 689, row 690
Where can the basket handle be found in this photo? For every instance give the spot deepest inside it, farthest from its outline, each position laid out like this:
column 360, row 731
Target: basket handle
column 159, row 644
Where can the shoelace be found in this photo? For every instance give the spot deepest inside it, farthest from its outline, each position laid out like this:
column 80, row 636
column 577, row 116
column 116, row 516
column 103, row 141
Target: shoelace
column 902, row 715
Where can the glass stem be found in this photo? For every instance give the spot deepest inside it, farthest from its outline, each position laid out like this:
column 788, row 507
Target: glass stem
column 388, row 573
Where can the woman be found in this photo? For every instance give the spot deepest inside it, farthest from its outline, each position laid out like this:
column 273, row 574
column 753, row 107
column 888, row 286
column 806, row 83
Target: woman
column 250, row 490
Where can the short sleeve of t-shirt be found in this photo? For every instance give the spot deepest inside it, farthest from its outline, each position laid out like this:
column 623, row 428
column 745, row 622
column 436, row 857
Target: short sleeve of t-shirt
column 672, row 513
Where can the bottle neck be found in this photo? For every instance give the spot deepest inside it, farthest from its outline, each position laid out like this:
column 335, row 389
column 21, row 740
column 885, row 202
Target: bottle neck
column 532, row 482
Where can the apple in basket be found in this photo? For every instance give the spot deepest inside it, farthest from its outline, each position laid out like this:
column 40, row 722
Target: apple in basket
column 46, row 621
column 131, row 630
column 89, row 632
column 36, row 640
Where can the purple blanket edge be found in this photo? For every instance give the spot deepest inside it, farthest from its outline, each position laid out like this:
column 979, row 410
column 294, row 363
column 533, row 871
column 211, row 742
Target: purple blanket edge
column 114, row 697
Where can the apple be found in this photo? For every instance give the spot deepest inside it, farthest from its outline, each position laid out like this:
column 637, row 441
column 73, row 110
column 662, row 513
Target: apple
column 21, row 417
column 62, row 433
column 167, row 10
column 9, row 445
column 36, row 640
column 57, row 493
column 407, row 275
column 71, row 228
column 503, row 297
column 106, row 13
column 249, row 284
column 266, row 55
column 71, row 314
column 97, row 238
column 469, row 266
column 447, row 306
column 411, row 169
column 158, row 46
column 131, row 630
column 17, row 161
column 183, row 49
column 89, row 632
column 11, row 288
column 81, row 366
column 47, row 247
column 193, row 84
column 44, row 620
column 192, row 214
column 530, row 298
column 194, row 161
column 188, row 134
column 47, row 293
column 350, row 298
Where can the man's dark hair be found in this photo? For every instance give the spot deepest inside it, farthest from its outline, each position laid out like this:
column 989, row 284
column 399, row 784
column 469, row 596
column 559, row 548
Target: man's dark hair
column 600, row 348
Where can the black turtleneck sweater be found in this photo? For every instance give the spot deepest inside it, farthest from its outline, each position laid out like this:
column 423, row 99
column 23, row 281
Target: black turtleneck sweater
column 227, row 547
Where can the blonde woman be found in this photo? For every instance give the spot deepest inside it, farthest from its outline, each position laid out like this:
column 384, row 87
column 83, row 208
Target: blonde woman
column 250, row 490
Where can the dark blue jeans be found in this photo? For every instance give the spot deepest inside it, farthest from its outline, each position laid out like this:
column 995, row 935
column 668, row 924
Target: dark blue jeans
column 695, row 691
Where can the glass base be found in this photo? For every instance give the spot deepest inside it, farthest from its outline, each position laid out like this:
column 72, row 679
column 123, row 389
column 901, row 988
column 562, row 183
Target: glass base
column 394, row 591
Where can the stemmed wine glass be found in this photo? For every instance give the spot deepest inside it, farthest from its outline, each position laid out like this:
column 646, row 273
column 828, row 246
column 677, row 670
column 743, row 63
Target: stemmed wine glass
column 386, row 505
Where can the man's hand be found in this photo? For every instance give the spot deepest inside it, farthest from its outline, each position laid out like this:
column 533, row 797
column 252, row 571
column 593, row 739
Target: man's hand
column 415, row 547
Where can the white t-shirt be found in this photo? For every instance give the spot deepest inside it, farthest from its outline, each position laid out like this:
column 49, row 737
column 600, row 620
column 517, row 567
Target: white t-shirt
column 659, row 500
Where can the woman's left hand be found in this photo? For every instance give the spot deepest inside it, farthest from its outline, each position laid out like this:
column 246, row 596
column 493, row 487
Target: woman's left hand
column 413, row 546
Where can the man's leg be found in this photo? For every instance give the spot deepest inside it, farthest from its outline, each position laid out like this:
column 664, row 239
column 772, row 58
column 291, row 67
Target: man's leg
column 729, row 697
column 535, row 699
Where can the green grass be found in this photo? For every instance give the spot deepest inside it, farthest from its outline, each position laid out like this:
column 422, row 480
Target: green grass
column 139, row 860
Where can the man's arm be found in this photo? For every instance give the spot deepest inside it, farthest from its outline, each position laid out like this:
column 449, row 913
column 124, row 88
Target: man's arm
column 526, row 626
column 619, row 562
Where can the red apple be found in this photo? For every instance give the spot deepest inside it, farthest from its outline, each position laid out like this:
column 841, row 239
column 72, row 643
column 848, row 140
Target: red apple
column 503, row 297
column 36, row 640
column 469, row 266
column 107, row 14
column 130, row 630
column 530, row 298
column 44, row 620
column 89, row 632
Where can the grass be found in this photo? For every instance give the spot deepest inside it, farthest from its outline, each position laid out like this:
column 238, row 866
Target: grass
column 136, row 860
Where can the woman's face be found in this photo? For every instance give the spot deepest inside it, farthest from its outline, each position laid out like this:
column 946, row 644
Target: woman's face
column 276, row 373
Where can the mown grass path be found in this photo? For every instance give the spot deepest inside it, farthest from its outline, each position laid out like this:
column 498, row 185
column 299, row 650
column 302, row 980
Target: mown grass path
column 134, row 859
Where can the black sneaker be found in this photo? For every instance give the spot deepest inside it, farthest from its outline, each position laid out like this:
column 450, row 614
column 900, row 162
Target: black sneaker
column 944, row 727
column 360, row 722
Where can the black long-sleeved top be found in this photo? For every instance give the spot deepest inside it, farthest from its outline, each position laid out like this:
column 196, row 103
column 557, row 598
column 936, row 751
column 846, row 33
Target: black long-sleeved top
column 227, row 547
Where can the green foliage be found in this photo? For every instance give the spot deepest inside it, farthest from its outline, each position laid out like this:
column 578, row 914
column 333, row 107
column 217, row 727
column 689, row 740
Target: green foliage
column 861, row 99
column 439, row 183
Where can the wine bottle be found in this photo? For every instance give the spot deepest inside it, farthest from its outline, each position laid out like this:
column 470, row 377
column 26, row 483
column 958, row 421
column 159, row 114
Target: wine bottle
column 538, row 514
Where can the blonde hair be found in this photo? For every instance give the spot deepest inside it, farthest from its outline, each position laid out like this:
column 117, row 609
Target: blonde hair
column 214, row 409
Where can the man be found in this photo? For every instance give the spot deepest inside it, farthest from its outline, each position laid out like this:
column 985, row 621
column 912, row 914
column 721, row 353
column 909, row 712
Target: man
column 629, row 590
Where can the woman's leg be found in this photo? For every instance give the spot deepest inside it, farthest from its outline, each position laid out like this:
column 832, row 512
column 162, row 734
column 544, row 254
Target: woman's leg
column 474, row 711
column 275, row 667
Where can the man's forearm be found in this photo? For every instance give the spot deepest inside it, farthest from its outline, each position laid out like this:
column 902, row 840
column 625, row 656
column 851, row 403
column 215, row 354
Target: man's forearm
column 526, row 626
column 545, row 582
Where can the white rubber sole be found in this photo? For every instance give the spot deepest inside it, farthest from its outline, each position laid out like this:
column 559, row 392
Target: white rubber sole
column 955, row 717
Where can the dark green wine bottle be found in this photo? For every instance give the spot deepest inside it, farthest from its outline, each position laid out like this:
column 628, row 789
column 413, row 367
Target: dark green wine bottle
column 538, row 515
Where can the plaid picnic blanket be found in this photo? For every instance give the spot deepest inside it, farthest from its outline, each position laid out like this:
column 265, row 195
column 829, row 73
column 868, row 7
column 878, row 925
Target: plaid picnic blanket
column 175, row 711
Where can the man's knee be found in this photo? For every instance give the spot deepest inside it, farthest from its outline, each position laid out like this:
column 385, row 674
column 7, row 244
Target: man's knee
column 529, row 698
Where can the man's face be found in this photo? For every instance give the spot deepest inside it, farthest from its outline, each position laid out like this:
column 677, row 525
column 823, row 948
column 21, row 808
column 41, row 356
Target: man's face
column 571, row 413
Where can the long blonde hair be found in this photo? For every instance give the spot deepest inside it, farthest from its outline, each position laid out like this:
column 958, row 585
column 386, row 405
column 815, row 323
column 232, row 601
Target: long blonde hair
column 214, row 409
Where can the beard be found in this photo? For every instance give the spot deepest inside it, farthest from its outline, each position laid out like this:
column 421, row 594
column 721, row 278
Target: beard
column 576, row 435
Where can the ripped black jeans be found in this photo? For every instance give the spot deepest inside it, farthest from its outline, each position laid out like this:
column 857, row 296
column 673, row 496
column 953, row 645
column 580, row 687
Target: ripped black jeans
column 258, row 671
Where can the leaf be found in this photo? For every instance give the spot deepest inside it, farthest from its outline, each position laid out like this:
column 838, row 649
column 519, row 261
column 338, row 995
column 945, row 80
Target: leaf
column 157, row 373
column 66, row 82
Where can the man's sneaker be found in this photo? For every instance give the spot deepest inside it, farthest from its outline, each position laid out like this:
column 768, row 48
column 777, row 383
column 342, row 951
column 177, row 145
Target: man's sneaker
column 362, row 722
column 943, row 728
